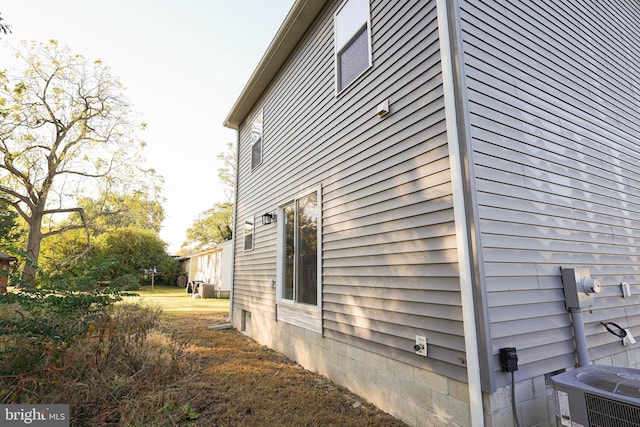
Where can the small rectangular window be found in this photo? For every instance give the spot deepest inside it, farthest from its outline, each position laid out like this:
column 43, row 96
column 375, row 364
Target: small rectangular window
column 248, row 234
column 352, row 41
column 256, row 141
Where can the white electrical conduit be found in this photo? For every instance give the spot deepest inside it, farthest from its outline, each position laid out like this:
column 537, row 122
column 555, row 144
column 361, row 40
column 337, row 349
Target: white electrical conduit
column 462, row 240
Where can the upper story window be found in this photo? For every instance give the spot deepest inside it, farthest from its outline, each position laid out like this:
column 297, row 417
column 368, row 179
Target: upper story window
column 256, row 141
column 352, row 29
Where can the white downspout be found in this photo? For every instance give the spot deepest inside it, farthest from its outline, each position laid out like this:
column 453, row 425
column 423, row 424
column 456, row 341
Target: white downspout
column 235, row 228
column 462, row 231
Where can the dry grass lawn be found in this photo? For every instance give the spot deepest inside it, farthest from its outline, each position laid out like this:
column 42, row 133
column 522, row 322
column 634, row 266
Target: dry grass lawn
column 237, row 382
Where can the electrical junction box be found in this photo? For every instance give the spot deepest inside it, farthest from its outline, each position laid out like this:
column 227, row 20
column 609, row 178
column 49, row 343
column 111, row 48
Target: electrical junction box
column 579, row 287
column 421, row 345
column 508, row 359
column 626, row 289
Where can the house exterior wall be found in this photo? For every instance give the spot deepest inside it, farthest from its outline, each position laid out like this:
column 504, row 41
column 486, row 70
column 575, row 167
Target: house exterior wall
column 554, row 121
column 389, row 260
column 552, row 130
column 205, row 266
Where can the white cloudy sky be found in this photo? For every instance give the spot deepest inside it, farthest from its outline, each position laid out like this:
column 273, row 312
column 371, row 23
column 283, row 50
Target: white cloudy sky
column 184, row 62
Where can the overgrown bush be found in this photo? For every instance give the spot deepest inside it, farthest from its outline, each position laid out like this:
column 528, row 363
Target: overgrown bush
column 66, row 342
column 127, row 282
column 58, row 309
column 123, row 371
column 120, row 372
column 38, row 326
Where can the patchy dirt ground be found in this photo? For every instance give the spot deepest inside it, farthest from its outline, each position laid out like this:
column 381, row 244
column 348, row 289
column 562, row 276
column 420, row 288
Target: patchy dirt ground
column 237, row 382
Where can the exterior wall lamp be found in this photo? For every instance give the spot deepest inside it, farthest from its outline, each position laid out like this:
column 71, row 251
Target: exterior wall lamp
column 268, row 218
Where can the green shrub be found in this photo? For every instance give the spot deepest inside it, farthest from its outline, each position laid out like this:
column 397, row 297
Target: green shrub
column 39, row 324
column 65, row 341
column 127, row 282
column 123, row 371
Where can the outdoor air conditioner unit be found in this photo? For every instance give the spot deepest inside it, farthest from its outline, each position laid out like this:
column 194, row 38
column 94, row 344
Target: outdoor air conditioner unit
column 597, row 395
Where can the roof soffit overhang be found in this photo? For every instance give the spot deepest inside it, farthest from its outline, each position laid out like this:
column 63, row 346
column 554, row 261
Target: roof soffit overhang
column 295, row 25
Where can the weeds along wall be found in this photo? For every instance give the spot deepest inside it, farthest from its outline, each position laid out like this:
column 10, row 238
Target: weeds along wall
column 397, row 388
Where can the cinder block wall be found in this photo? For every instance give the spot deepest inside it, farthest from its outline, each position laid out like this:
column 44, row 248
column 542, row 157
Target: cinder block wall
column 417, row 397
column 629, row 358
column 534, row 404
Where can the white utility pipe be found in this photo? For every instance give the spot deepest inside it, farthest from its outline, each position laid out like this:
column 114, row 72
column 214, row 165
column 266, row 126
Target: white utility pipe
column 580, row 336
column 462, row 231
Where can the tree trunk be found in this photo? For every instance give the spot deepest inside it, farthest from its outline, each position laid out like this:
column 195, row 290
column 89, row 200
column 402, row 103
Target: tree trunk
column 33, row 252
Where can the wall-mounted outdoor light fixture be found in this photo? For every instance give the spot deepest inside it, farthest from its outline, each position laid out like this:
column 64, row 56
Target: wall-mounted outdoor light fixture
column 268, row 218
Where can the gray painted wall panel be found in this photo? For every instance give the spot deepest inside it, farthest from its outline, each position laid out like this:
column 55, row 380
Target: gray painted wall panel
column 418, row 244
column 376, row 320
column 389, row 260
column 393, row 210
column 555, row 134
column 376, row 284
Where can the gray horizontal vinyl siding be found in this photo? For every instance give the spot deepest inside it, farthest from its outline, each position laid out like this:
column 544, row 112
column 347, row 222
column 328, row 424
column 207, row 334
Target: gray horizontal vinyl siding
column 554, row 101
column 389, row 259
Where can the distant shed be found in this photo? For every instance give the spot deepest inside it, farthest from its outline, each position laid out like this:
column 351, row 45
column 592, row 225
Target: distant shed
column 211, row 267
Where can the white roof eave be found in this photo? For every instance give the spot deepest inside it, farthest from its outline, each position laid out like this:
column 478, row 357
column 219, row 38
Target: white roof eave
column 295, row 25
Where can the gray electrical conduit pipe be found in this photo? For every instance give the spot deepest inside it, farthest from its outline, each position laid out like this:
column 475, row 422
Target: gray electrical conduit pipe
column 580, row 336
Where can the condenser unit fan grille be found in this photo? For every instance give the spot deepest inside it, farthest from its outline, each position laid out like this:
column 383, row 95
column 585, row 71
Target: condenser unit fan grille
column 619, row 381
column 603, row 412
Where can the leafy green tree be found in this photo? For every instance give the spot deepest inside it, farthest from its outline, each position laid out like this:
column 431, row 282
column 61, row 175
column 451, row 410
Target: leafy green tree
column 64, row 252
column 131, row 250
column 113, row 211
column 65, row 131
column 211, row 227
column 10, row 227
column 227, row 172
column 114, row 254
column 169, row 269
column 69, row 251
column 215, row 225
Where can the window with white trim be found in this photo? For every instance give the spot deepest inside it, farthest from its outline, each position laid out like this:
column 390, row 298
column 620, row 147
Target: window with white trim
column 248, row 234
column 299, row 261
column 256, row 141
column 300, row 281
column 352, row 30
